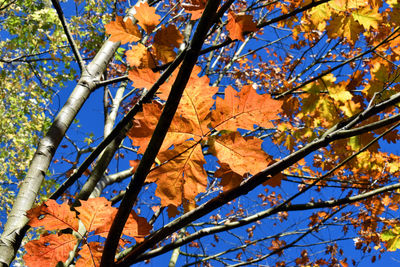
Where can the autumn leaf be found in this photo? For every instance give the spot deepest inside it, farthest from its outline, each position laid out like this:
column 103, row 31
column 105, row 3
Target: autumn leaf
column 139, row 56
column 243, row 154
column 195, row 7
column 143, row 78
column 53, row 216
column 181, row 176
column 123, row 31
column 229, row 178
column 343, row 26
column 274, row 180
column 238, row 25
column 392, row 238
column 136, row 227
column 367, row 17
column 94, row 213
column 147, row 17
column 165, row 41
column 145, row 122
column 49, row 250
column 244, row 109
column 190, row 122
column 90, row 255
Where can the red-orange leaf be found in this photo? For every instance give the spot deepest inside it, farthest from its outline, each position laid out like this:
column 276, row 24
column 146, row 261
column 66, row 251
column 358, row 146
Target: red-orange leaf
column 123, row 31
column 244, row 109
column 242, row 154
column 95, row 212
column 53, row 216
column 136, row 227
column 182, row 176
column 240, row 24
column 49, row 250
column 90, row 255
column 143, row 78
column 147, row 17
column 195, row 7
column 145, row 122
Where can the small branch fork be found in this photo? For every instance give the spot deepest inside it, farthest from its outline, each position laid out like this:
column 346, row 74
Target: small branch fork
column 74, row 47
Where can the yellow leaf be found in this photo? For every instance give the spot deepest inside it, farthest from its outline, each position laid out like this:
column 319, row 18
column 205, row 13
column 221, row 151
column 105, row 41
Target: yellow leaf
column 368, row 17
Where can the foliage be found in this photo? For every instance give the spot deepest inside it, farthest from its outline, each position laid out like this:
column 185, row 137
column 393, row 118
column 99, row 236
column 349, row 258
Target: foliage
column 230, row 117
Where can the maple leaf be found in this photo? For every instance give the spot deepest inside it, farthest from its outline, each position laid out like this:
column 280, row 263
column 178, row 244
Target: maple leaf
column 344, row 26
column 276, row 179
column 238, row 25
column 136, row 227
column 49, row 250
column 368, row 17
column 243, row 154
column 94, row 213
column 181, row 176
column 90, row 255
column 195, row 7
column 229, row 178
column 165, row 41
column 190, row 121
column 244, row 109
column 139, row 56
column 147, row 17
column 145, row 122
column 123, row 31
column 53, row 216
column 143, row 78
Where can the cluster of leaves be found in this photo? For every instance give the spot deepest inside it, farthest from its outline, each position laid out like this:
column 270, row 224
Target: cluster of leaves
column 55, row 243
column 225, row 125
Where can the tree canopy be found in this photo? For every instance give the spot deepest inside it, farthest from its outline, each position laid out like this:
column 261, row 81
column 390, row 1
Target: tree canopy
column 234, row 132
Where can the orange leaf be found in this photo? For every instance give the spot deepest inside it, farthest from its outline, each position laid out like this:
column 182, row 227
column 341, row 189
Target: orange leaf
column 165, row 41
column 182, row 176
column 244, row 109
column 147, row 17
column 143, row 78
column 140, row 57
column 123, row 31
column 196, row 102
column 95, row 212
column 49, row 250
column 195, row 7
column 274, row 180
column 243, row 155
column 229, row 178
column 90, row 255
column 53, row 216
column 238, row 25
column 136, row 227
column 145, row 122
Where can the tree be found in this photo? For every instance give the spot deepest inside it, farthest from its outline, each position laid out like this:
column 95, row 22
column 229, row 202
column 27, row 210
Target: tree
column 248, row 131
